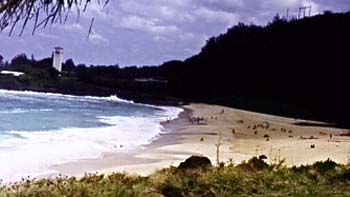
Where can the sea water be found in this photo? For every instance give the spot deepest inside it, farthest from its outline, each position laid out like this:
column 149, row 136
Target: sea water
column 38, row 130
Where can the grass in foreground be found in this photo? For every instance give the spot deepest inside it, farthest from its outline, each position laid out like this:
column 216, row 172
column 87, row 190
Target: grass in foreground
column 253, row 178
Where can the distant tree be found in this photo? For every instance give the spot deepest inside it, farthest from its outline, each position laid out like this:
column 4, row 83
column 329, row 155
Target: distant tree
column 211, row 42
column 1, row 60
column 68, row 65
column 82, row 72
column 32, row 58
column 327, row 12
column 277, row 19
column 20, row 59
column 44, row 63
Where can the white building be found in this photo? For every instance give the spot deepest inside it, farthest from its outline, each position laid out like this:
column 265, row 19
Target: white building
column 14, row 73
column 57, row 58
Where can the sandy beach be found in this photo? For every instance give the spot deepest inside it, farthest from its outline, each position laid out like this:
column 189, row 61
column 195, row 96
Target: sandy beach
column 240, row 135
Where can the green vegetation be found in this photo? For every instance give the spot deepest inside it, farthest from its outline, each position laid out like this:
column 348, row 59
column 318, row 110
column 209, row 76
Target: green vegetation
column 41, row 76
column 253, row 178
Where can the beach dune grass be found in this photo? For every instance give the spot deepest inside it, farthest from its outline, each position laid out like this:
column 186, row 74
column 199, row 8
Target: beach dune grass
column 254, row 177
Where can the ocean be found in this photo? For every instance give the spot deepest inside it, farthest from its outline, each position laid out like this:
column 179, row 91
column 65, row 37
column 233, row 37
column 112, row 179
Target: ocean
column 38, row 130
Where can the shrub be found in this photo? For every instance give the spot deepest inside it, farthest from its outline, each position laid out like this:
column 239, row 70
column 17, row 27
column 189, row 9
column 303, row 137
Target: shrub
column 324, row 166
column 254, row 164
column 171, row 190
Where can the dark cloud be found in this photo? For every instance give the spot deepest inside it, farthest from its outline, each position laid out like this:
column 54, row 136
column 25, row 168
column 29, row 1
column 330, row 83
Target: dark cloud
column 142, row 32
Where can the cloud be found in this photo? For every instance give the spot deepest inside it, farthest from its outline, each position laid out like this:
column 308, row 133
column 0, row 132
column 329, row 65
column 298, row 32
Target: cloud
column 216, row 15
column 167, row 11
column 71, row 27
column 225, row 5
column 163, row 39
column 96, row 38
column 47, row 35
column 95, row 9
column 147, row 25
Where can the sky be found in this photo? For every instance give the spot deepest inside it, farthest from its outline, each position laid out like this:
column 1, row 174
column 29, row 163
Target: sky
column 149, row 32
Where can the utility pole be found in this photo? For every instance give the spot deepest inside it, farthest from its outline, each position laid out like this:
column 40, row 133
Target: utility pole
column 302, row 11
column 309, row 10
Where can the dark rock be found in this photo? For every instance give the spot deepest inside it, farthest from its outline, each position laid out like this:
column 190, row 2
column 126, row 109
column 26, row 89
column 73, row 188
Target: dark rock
column 262, row 157
column 195, row 162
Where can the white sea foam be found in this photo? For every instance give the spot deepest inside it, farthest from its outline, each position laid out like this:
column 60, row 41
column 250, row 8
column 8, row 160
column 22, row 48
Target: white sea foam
column 22, row 111
column 31, row 153
column 65, row 96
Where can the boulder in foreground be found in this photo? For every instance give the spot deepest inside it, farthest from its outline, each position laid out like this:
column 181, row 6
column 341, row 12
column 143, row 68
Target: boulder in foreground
column 195, row 162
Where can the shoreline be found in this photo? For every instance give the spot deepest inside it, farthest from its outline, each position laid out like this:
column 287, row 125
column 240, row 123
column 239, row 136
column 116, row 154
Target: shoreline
column 130, row 161
column 181, row 139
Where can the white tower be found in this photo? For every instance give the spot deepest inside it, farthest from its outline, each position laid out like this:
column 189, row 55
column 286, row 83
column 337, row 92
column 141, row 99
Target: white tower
column 57, row 58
